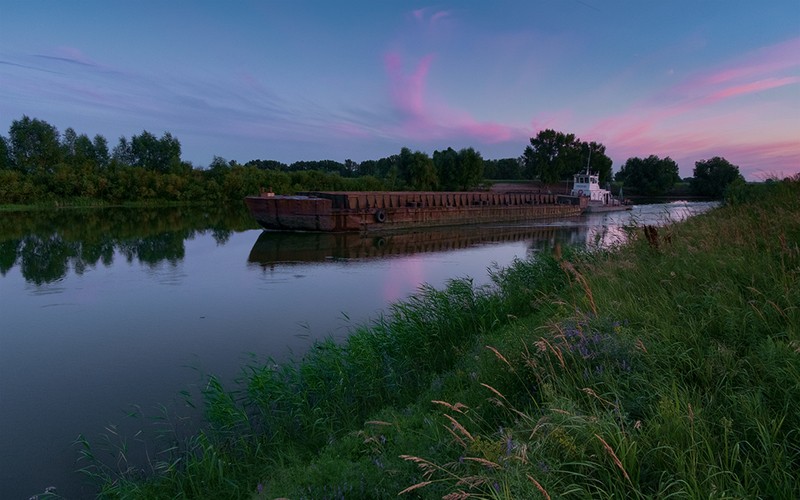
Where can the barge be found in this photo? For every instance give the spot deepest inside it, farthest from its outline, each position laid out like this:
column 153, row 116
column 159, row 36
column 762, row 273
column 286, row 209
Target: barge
column 377, row 211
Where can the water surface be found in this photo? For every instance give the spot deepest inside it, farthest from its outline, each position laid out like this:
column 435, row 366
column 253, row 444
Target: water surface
column 110, row 312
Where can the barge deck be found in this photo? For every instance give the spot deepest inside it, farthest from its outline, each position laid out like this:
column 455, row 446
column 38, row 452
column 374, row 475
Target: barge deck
column 372, row 211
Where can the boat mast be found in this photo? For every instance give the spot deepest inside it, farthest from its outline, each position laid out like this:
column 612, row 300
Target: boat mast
column 589, row 161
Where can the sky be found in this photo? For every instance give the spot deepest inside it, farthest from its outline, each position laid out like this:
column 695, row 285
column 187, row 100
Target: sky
column 316, row 80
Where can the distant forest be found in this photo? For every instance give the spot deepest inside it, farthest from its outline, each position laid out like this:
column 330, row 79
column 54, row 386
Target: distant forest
column 40, row 165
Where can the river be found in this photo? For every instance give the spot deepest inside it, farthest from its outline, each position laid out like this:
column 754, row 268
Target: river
column 110, row 318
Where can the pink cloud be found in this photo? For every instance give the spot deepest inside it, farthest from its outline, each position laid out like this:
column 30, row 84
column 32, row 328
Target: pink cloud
column 408, row 91
column 749, row 88
column 423, row 117
column 758, row 71
column 776, row 57
column 705, row 116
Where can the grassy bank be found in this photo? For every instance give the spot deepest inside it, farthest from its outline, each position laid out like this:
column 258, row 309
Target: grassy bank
column 668, row 367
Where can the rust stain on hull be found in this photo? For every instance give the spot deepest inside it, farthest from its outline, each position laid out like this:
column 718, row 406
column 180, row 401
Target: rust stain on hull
column 387, row 211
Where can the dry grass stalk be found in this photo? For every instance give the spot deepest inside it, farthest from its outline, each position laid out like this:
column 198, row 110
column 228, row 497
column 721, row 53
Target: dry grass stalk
column 567, row 266
column 427, row 466
column 541, row 423
column 539, row 487
column 651, row 233
column 590, row 392
column 613, row 455
column 456, row 437
column 456, row 407
column 460, row 427
column 456, row 495
column 377, row 422
column 494, row 390
column 472, row 481
column 483, row 461
column 543, row 345
column 414, row 487
column 499, row 356
column 640, row 346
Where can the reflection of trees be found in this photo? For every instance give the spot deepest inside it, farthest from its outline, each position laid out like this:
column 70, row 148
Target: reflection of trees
column 45, row 258
column 8, row 255
column 47, row 244
column 154, row 249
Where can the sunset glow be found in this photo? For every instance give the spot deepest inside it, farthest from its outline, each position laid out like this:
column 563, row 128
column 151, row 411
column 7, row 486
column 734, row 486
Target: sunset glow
column 315, row 80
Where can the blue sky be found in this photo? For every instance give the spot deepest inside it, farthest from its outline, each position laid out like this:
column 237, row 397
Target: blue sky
column 313, row 80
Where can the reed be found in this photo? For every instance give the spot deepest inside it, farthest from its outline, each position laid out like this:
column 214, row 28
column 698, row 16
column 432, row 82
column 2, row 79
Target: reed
column 649, row 371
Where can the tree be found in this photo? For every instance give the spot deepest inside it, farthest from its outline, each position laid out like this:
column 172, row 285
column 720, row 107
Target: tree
column 470, row 168
column 350, row 168
column 551, row 156
column 554, row 156
column 417, row 170
column 446, row 163
column 651, row 176
column 78, row 150
column 100, row 147
column 506, row 168
column 159, row 155
column 35, row 146
column 712, row 177
column 122, row 153
column 5, row 158
column 594, row 154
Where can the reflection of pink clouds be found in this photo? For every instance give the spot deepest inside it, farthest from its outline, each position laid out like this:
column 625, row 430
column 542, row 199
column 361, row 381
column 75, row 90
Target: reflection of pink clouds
column 405, row 277
column 422, row 119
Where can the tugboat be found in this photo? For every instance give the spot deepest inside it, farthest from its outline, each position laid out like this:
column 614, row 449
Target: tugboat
column 600, row 200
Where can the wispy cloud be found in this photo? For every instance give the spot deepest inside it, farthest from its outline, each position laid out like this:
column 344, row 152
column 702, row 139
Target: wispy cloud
column 69, row 55
column 429, row 16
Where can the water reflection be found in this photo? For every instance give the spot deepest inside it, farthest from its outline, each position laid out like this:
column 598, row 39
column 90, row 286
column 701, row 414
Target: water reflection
column 272, row 248
column 46, row 245
column 594, row 231
column 111, row 305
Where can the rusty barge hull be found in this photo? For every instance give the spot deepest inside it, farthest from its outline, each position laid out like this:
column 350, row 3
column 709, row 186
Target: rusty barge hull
column 388, row 211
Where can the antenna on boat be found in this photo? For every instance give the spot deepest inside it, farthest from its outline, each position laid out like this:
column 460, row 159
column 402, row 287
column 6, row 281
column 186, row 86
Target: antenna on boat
column 589, row 161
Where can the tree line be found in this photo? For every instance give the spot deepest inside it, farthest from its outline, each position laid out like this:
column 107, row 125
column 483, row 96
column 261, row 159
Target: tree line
column 39, row 164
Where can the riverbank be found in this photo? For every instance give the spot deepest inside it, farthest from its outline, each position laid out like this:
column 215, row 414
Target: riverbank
column 666, row 367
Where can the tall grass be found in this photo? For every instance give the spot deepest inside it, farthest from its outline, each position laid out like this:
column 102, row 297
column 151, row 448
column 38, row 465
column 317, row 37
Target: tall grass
column 681, row 380
column 664, row 368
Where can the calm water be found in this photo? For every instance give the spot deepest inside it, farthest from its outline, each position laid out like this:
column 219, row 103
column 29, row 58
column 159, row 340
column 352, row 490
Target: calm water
column 106, row 311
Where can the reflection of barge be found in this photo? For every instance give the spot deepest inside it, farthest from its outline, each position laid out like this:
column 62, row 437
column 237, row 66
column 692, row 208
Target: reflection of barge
column 274, row 247
column 385, row 211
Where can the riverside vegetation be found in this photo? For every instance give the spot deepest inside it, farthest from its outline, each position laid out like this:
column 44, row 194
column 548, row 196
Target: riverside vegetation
column 667, row 367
